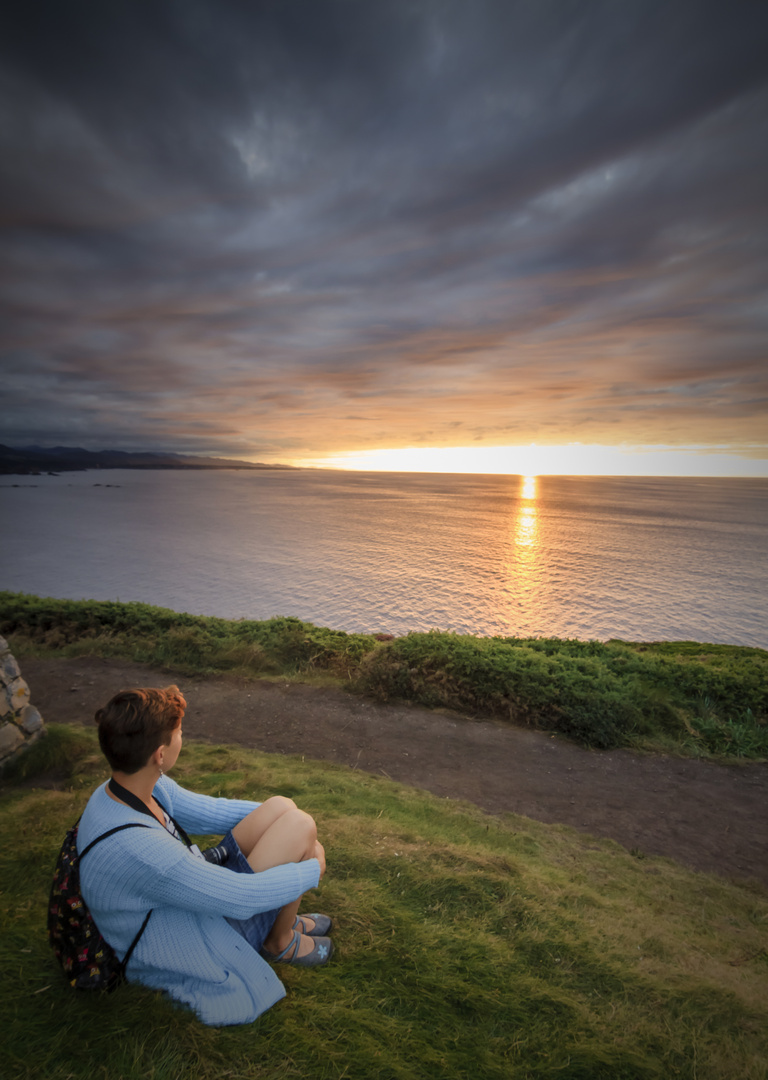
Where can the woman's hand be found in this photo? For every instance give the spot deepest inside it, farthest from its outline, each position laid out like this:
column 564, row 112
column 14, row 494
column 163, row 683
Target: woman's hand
column 320, row 856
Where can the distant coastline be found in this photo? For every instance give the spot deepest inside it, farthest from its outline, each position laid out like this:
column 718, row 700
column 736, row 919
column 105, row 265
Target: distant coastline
column 34, row 460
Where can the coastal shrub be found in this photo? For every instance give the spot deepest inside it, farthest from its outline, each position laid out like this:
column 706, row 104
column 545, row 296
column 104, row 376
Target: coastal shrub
column 733, row 676
column 738, row 736
column 508, row 679
column 466, row 946
column 189, row 643
column 603, row 694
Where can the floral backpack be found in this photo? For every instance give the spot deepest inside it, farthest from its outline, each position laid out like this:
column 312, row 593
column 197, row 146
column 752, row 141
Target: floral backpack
column 89, row 963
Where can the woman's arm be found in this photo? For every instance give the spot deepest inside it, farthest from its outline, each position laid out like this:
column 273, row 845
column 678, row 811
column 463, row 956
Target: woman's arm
column 201, row 813
column 143, row 868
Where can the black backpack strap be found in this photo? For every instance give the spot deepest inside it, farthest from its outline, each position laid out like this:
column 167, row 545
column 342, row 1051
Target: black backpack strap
column 134, row 943
column 103, row 836
column 109, row 832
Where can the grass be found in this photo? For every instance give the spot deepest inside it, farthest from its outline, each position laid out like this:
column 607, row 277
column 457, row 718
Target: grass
column 466, row 946
column 686, row 697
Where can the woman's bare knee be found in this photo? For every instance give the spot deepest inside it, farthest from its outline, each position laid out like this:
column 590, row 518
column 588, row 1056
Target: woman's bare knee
column 292, row 838
column 255, row 825
column 279, row 804
column 304, row 826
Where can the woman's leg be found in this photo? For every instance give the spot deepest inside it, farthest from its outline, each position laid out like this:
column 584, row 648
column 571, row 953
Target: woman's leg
column 278, row 832
column 251, row 829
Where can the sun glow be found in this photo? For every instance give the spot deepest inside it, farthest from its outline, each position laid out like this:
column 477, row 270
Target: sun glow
column 571, row 459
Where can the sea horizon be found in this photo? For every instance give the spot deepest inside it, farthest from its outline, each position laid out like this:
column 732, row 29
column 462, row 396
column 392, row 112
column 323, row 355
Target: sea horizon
column 192, row 462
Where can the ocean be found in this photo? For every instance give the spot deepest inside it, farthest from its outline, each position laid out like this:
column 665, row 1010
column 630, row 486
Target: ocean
column 642, row 559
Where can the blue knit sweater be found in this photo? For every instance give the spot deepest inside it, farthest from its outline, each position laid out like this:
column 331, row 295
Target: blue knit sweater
column 188, row 948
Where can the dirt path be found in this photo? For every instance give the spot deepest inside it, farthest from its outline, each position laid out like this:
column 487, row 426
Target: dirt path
column 708, row 817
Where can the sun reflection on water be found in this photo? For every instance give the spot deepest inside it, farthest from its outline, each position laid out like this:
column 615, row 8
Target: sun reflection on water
column 526, row 524
column 526, row 527
column 523, row 570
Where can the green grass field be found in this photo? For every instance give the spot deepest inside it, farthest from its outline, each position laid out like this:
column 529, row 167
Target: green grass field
column 680, row 697
column 466, row 946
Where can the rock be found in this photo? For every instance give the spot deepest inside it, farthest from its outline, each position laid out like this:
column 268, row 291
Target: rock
column 30, row 719
column 9, row 669
column 18, row 694
column 20, row 722
column 10, row 739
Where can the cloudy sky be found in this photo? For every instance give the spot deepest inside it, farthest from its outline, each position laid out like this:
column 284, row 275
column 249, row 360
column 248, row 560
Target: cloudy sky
column 289, row 230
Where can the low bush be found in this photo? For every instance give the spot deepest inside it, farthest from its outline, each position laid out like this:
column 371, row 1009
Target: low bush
column 191, row 644
column 602, row 694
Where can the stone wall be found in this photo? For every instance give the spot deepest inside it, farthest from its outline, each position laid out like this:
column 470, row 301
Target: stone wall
column 20, row 722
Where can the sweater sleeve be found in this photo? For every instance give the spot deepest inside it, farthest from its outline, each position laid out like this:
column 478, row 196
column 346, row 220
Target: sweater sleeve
column 201, row 813
column 141, row 868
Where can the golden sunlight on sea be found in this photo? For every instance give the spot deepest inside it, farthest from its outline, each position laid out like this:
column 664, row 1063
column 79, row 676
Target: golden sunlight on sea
column 526, row 524
column 521, row 563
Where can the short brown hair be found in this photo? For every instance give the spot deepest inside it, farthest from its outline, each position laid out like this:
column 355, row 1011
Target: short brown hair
column 135, row 722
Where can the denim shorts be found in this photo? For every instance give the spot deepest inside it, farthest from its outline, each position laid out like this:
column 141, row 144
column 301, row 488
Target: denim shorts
column 256, row 928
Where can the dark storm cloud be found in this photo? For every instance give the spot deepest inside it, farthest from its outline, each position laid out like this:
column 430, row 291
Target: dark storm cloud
column 310, row 225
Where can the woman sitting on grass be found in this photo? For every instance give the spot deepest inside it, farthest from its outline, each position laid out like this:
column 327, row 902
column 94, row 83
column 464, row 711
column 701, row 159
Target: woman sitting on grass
column 211, row 930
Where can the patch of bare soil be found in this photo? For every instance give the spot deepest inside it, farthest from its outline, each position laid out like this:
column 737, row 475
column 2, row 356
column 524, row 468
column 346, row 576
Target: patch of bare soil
column 708, row 817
